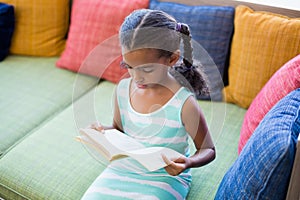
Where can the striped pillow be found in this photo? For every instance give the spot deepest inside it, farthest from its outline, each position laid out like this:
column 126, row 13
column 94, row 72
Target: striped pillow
column 93, row 46
column 41, row 27
column 285, row 80
column 262, row 43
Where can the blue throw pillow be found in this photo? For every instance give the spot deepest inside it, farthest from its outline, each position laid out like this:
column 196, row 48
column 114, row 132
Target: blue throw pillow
column 7, row 23
column 263, row 169
column 212, row 29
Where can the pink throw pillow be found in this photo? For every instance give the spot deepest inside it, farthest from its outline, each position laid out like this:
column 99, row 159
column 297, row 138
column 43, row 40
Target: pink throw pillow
column 285, row 80
column 94, row 22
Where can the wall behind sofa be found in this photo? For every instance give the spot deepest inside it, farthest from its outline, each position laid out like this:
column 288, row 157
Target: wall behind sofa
column 289, row 4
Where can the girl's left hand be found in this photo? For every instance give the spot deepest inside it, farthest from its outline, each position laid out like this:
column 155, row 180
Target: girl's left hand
column 174, row 168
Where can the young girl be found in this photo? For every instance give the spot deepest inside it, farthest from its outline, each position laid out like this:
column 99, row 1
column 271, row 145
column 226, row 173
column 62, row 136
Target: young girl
column 157, row 107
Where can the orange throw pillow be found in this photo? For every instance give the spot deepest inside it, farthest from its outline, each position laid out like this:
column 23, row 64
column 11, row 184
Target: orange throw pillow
column 40, row 28
column 262, row 43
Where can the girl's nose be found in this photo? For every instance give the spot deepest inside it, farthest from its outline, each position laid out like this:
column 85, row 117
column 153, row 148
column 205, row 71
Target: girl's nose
column 138, row 77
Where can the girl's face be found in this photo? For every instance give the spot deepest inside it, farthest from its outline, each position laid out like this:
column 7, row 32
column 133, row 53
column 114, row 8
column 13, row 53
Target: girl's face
column 146, row 67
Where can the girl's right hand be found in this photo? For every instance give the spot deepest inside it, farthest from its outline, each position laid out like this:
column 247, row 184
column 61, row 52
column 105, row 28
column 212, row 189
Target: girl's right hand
column 97, row 126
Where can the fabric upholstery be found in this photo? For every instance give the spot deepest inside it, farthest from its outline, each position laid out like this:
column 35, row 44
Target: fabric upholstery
column 41, row 27
column 206, row 179
column 285, row 80
column 51, row 164
column 7, row 24
column 262, row 170
column 211, row 28
column 33, row 90
column 261, row 44
column 93, row 46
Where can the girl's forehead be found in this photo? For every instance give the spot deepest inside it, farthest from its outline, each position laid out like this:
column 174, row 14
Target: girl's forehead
column 140, row 56
column 142, row 51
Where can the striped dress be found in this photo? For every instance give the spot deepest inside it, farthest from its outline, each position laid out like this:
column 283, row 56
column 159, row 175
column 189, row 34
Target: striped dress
column 126, row 178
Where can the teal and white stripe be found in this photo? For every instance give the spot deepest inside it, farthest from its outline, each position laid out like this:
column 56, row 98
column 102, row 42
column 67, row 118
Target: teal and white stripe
column 128, row 179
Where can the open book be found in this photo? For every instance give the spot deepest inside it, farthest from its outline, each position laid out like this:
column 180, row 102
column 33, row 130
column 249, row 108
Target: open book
column 113, row 144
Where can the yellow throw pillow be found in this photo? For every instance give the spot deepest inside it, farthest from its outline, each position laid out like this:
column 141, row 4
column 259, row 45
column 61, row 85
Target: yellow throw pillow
column 261, row 44
column 40, row 28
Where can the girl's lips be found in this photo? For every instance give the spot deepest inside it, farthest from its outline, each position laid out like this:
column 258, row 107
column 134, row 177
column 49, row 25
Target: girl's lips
column 141, row 86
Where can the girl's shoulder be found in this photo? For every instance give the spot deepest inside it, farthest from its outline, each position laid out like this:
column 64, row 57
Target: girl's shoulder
column 184, row 93
column 191, row 109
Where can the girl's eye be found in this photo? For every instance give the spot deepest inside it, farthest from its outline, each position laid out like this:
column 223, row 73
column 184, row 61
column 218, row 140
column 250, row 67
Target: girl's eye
column 147, row 69
column 124, row 65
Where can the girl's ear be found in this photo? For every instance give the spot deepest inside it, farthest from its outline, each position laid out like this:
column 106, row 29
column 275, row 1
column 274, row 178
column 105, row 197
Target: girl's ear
column 174, row 57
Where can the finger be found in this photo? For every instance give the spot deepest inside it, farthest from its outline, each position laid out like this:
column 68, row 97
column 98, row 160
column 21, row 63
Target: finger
column 93, row 125
column 166, row 160
column 180, row 160
column 99, row 128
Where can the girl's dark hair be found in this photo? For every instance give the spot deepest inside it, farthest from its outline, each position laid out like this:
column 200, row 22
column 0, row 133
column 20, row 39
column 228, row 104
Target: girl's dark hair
column 156, row 29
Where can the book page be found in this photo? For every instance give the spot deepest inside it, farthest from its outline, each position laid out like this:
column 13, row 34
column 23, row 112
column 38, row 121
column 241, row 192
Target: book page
column 122, row 141
column 112, row 142
column 118, row 145
column 99, row 141
column 85, row 140
column 151, row 157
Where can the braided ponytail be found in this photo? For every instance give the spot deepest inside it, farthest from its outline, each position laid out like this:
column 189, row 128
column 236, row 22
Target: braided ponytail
column 193, row 74
column 187, row 51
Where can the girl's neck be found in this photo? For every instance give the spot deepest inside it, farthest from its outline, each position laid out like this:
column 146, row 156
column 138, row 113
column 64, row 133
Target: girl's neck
column 152, row 98
column 169, row 83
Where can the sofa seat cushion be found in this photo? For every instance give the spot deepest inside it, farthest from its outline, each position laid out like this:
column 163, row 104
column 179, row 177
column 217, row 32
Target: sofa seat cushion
column 33, row 90
column 262, row 171
column 51, row 164
column 224, row 121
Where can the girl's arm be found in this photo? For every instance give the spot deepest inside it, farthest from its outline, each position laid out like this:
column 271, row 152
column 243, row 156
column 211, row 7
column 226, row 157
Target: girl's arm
column 117, row 124
column 195, row 124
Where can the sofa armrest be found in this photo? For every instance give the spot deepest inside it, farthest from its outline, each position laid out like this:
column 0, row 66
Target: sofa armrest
column 293, row 191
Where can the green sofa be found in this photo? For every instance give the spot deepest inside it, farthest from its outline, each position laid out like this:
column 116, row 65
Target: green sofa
column 42, row 108
column 40, row 157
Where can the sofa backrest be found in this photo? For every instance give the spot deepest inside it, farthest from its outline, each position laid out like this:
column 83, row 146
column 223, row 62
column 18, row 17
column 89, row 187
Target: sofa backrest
column 256, row 7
